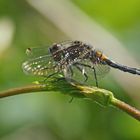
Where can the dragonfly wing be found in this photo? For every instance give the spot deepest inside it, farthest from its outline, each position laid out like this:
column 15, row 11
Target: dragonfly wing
column 83, row 71
column 40, row 61
column 44, row 50
column 40, row 66
column 37, row 52
column 101, row 70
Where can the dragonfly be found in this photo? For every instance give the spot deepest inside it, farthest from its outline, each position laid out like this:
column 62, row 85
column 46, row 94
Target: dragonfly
column 75, row 60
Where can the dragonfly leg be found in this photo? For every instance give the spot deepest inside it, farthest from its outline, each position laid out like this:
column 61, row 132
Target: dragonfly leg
column 94, row 70
column 71, row 71
column 82, row 71
column 68, row 73
column 49, row 76
column 71, row 99
column 96, row 81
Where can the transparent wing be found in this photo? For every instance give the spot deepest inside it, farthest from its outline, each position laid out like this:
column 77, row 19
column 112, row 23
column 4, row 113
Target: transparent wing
column 44, row 50
column 66, row 44
column 37, row 52
column 41, row 66
column 40, row 61
column 101, row 70
column 83, row 72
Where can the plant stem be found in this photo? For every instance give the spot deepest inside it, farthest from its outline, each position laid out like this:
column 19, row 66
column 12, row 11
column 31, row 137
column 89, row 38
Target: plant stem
column 126, row 108
column 100, row 96
column 21, row 90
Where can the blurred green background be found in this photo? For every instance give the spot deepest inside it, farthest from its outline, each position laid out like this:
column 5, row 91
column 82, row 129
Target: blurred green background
column 50, row 116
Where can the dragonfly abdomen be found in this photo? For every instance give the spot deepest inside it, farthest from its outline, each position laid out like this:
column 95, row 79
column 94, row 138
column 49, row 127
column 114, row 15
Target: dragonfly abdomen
column 123, row 67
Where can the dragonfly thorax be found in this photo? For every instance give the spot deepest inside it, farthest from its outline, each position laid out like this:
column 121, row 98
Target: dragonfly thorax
column 71, row 53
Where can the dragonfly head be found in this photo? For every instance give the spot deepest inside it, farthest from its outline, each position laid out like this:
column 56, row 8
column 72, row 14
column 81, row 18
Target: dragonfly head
column 56, row 52
column 54, row 48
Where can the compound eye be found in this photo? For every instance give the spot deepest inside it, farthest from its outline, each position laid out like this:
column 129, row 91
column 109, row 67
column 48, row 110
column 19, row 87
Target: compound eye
column 77, row 42
column 55, row 48
column 89, row 47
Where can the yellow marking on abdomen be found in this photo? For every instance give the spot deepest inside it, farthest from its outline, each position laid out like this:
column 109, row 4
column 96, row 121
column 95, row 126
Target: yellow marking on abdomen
column 101, row 55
